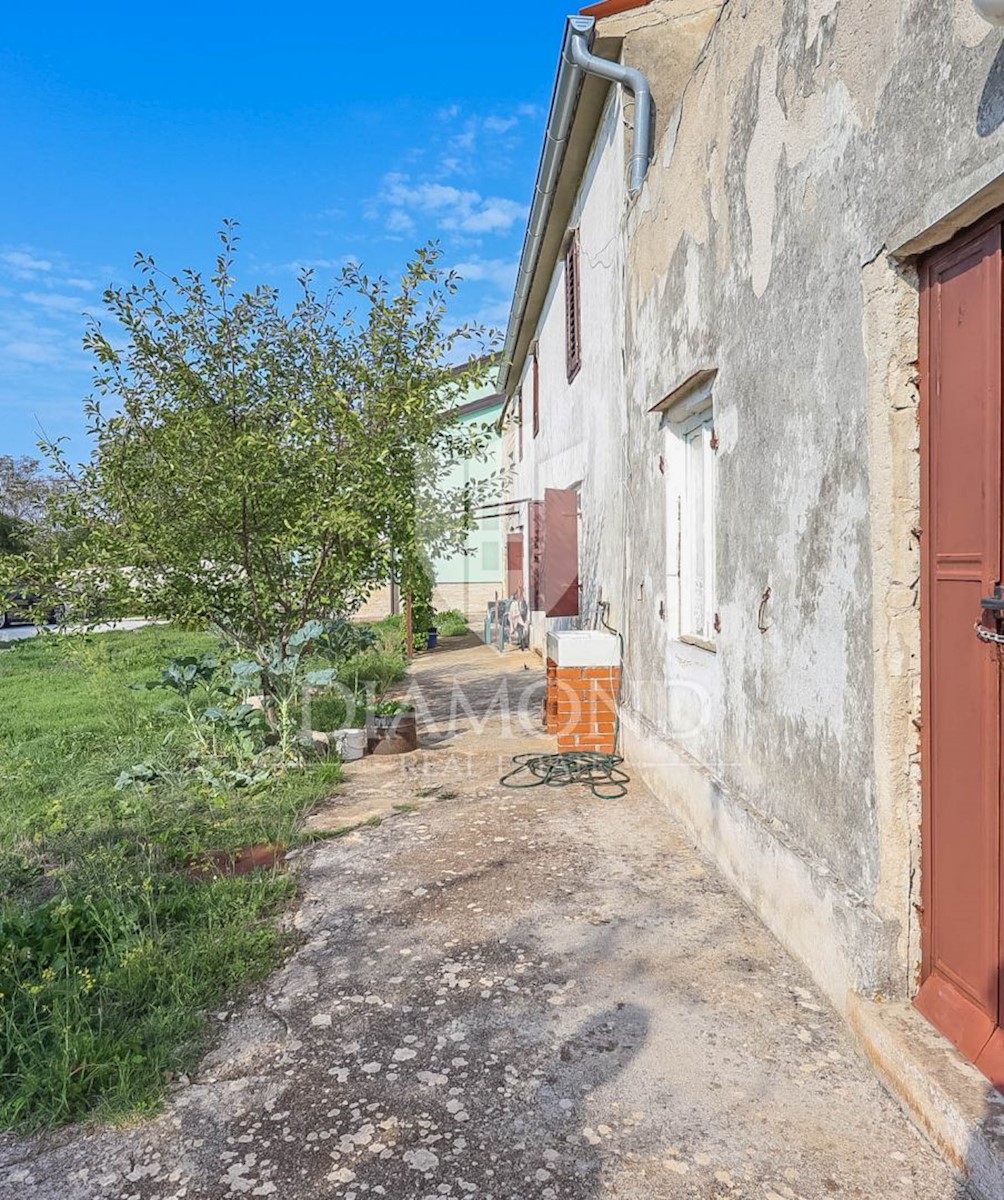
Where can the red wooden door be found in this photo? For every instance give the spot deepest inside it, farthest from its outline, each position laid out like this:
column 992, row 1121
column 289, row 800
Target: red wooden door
column 514, row 564
column 961, row 368
column 560, row 556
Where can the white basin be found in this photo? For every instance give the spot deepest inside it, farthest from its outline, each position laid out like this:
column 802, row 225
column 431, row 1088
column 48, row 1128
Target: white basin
column 583, row 648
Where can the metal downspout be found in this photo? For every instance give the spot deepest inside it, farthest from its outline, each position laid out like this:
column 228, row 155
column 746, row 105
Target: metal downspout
column 578, row 48
column 577, row 59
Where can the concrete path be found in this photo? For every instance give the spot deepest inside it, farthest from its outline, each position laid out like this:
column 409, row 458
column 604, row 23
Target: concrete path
column 506, row 995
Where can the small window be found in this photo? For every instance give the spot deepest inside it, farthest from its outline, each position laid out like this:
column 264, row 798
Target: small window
column 573, row 308
column 690, row 466
column 536, row 391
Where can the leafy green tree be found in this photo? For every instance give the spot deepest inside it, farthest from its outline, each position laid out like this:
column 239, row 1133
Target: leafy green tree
column 15, row 536
column 255, row 467
column 24, row 489
column 24, row 495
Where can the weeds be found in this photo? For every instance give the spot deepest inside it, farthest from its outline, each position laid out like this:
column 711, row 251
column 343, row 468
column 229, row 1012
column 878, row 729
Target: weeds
column 116, row 775
column 110, row 952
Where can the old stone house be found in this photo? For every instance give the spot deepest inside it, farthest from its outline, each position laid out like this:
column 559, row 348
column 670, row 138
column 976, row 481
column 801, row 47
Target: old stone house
column 753, row 422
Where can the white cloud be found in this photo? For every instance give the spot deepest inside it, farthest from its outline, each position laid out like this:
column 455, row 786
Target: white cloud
column 494, row 215
column 314, row 264
column 27, row 351
column 84, row 285
column 455, row 209
column 449, row 113
column 24, row 265
column 428, row 197
column 493, row 314
column 498, row 271
column 55, row 301
column 400, row 222
column 500, row 124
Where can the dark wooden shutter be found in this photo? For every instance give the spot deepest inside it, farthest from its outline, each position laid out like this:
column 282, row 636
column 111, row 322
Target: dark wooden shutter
column 536, row 393
column 560, row 553
column 573, row 312
column 536, row 553
column 514, row 564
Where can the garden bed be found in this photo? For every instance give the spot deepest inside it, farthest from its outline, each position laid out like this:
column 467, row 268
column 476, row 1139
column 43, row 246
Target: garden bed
column 136, row 890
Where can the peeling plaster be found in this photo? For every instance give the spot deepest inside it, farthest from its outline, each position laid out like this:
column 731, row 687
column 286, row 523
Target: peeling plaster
column 762, row 161
column 805, row 135
column 816, row 12
column 970, row 28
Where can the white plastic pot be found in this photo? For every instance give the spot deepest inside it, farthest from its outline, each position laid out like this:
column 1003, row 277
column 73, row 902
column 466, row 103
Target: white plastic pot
column 990, row 10
column 350, row 743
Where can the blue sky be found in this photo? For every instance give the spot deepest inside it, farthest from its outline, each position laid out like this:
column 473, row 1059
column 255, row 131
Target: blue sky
column 328, row 131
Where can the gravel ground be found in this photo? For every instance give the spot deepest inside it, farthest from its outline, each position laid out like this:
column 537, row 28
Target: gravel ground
column 510, row 995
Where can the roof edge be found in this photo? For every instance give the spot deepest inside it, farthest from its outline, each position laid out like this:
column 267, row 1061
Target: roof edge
column 564, row 104
column 610, row 8
column 480, row 405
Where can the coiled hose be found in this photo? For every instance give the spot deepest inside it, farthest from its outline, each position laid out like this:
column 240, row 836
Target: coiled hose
column 599, row 772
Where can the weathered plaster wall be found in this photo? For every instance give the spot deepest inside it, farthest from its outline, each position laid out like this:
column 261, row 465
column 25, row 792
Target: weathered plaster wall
column 809, row 134
column 799, row 145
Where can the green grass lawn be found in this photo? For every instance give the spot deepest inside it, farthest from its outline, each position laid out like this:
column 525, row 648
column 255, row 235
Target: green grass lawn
column 110, row 951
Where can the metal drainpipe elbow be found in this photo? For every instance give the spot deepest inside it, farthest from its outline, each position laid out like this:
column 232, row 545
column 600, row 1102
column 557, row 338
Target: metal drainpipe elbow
column 580, row 54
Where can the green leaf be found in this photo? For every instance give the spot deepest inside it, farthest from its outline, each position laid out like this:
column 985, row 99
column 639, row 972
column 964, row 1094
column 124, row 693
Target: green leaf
column 306, row 633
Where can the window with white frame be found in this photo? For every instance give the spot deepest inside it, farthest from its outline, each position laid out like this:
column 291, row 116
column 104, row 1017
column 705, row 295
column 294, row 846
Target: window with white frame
column 697, row 534
column 689, row 466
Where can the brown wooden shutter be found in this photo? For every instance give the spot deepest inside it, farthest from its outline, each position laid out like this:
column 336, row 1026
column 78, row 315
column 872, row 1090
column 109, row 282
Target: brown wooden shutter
column 514, row 564
column 536, row 392
column 536, row 553
column 560, row 553
column 573, row 309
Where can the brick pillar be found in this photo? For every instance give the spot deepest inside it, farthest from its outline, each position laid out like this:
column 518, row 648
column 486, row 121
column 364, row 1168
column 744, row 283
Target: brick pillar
column 582, row 707
column 551, row 698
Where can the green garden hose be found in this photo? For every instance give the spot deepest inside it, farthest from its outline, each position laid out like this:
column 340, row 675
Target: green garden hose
column 599, row 772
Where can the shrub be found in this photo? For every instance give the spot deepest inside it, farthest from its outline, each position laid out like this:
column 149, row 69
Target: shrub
column 452, row 623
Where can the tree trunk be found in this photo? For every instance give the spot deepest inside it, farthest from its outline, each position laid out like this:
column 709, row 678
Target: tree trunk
column 409, row 625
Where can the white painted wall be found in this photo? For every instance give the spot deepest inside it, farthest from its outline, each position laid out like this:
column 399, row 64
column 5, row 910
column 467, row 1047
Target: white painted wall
column 582, row 427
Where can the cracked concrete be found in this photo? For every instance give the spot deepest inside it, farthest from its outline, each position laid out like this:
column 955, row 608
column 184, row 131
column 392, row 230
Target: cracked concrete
column 507, row 995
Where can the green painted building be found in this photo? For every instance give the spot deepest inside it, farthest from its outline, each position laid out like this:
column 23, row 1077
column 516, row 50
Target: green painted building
column 468, row 581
